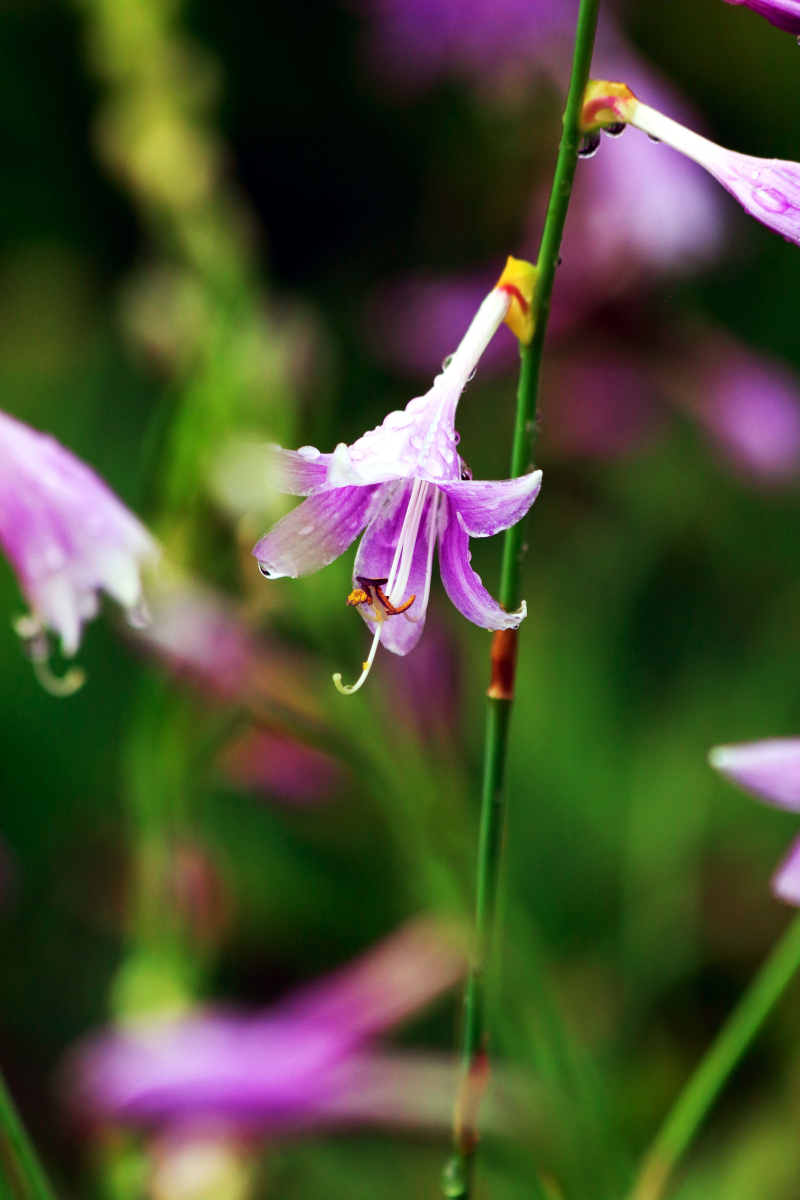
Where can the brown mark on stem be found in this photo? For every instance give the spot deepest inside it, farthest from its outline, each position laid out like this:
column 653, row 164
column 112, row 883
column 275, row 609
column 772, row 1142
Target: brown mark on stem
column 504, row 665
column 471, row 1091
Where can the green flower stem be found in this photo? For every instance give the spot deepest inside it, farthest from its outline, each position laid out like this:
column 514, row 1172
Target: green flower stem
column 30, row 1179
column 716, row 1066
column 459, row 1172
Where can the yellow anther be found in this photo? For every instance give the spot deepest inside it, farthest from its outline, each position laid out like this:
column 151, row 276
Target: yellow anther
column 518, row 280
column 356, row 597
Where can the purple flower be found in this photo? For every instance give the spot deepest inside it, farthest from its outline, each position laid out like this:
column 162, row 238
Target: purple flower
column 406, row 485
column 412, row 43
column 783, row 13
column 281, row 767
column 767, row 189
column 748, row 406
column 771, row 770
column 67, row 536
column 299, row 1061
column 601, row 406
column 203, row 638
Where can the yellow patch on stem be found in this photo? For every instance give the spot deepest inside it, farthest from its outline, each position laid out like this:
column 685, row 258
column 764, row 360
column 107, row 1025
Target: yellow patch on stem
column 518, row 281
column 606, row 103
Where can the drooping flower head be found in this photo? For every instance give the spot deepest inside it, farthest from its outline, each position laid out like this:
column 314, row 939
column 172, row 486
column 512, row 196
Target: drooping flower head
column 783, row 13
column 771, row 771
column 407, row 486
column 768, row 189
column 68, row 537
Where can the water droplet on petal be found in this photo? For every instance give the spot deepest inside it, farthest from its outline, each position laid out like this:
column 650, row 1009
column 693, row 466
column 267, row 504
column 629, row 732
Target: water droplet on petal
column 446, row 362
column 304, row 532
column 653, row 138
column 616, row 130
column 590, row 144
column 754, row 174
column 308, row 452
column 268, row 572
column 472, row 374
column 416, row 442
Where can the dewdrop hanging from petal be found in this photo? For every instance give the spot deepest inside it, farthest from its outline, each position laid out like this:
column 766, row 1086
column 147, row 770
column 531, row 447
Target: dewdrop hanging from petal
column 767, row 188
column 406, row 487
column 68, row 537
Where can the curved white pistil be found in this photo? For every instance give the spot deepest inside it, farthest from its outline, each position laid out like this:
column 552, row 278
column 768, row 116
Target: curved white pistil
column 350, row 688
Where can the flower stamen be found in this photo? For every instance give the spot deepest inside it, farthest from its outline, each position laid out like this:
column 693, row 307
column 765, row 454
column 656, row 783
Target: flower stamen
column 36, row 646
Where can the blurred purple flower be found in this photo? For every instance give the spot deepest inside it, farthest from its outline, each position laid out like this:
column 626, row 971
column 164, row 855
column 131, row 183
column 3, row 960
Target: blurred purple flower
column 424, row 689
column 636, row 216
column 281, row 767
column 412, row 43
column 783, row 13
column 750, row 409
column 67, row 536
column 405, row 483
column 771, row 770
column 204, row 638
column 598, row 407
column 287, row 1066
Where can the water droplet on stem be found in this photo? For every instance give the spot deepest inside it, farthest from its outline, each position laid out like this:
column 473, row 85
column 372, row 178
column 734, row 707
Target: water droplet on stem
column 590, row 144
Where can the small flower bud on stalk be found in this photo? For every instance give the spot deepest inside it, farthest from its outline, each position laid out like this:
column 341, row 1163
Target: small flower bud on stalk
column 768, row 189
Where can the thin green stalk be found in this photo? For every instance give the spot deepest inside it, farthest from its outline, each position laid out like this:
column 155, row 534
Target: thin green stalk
column 720, row 1059
column 459, row 1172
column 25, row 1160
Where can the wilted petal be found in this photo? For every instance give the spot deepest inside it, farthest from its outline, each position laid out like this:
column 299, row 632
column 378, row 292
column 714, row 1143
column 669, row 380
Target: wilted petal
column 65, row 532
column 461, row 583
column 786, row 880
column 486, row 507
column 315, row 533
column 785, row 14
column 770, row 769
column 376, row 554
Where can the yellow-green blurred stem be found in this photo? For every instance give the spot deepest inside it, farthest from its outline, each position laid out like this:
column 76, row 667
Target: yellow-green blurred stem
column 694, row 1102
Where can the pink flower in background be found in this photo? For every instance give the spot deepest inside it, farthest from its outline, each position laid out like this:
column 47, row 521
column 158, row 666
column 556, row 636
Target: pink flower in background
column 771, row 771
column 412, row 43
column 783, row 13
column 205, row 640
column 281, row 767
column 405, row 484
column 67, row 537
column 598, row 406
column 749, row 407
column 298, row 1062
